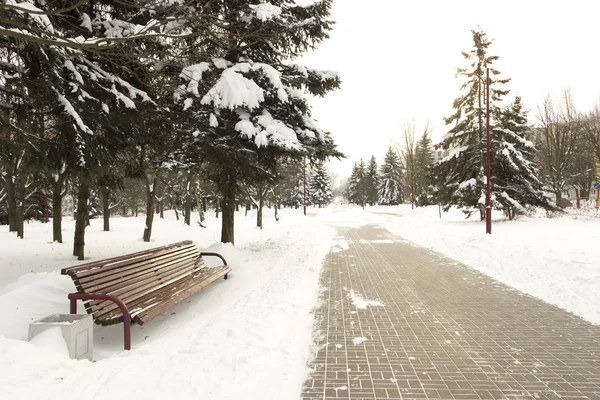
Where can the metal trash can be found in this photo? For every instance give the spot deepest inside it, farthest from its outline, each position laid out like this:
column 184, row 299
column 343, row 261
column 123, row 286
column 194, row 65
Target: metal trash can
column 77, row 330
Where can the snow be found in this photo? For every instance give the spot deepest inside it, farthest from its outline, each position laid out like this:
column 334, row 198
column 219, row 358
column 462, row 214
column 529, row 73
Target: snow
column 360, row 302
column 234, row 90
column 454, row 153
column 254, row 331
column 193, row 73
column 86, row 22
column 246, row 127
column 553, row 259
column 34, row 13
column 231, row 340
column 53, row 340
column 69, row 65
column 359, row 340
column 71, row 111
column 213, row 122
column 325, row 75
column 467, row 184
column 265, row 11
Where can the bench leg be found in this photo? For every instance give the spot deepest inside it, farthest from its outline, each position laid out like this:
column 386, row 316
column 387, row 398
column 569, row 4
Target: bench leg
column 226, row 275
column 73, row 297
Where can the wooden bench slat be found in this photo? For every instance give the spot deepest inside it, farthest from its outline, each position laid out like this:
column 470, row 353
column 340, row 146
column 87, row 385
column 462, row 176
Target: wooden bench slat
column 137, row 293
column 151, row 313
column 81, row 270
column 140, row 278
column 131, row 274
column 185, row 267
column 143, row 303
column 126, row 265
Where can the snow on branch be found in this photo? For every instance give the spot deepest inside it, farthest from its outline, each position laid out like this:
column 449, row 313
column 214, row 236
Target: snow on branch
column 513, row 202
column 71, row 111
column 454, row 153
column 265, row 11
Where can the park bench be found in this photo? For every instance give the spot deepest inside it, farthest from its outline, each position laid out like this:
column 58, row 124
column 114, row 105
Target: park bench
column 138, row 287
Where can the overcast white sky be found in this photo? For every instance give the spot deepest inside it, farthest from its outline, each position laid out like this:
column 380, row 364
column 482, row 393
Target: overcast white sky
column 398, row 59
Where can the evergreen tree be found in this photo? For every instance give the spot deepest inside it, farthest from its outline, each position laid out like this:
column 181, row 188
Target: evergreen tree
column 321, row 187
column 357, row 192
column 391, row 180
column 423, row 162
column 253, row 101
column 460, row 177
column 372, row 182
column 514, row 178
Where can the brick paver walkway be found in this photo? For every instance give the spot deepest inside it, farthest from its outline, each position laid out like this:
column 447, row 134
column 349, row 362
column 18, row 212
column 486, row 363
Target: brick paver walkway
column 444, row 331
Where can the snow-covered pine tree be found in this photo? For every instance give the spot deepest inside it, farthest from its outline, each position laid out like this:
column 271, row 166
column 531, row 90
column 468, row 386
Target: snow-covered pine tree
column 423, row 161
column 357, row 192
column 320, row 185
column 252, row 98
column 372, row 182
column 391, row 180
column 514, row 176
column 460, row 177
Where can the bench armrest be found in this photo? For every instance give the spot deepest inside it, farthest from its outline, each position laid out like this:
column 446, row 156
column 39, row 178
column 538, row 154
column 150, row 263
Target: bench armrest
column 73, row 297
column 202, row 254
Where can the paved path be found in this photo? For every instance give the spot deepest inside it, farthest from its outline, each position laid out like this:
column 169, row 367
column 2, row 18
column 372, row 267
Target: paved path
column 444, row 331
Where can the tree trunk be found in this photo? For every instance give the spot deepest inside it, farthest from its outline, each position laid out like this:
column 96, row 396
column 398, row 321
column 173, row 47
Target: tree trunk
column 247, row 208
column 482, row 214
column 80, row 217
column 162, row 209
column 106, row 208
column 259, row 213
column 188, row 208
column 276, row 210
column 558, row 195
column 149, row 209
column 200, row 208
column 21, row 206
column 176, row 214
column 218, row 205
column 57, row 212
column 227, row 223
column 577, row 198
column 11, row 201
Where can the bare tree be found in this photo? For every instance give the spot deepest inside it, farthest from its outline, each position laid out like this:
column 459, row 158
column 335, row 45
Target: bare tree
column 557, row 139
column 408, row 152
column 592, row 130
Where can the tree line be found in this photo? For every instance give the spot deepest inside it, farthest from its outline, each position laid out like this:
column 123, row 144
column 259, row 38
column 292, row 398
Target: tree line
column 182, row 104
column 528, row 162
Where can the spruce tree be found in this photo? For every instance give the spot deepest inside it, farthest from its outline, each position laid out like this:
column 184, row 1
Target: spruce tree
column 460, row 177
column 391, row 180
column 357, row 192
column 423, row 162
column 372, row 182
column 251, row 98
column 321, row 187
column 514, row 179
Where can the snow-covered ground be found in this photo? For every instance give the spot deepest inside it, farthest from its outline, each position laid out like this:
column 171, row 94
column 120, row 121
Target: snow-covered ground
column 250, row 336
column 555, row 259
column 246, row 337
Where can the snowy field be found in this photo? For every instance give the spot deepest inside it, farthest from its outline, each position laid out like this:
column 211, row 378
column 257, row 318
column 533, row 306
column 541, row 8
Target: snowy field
column 554, row 259
column 246, row 337
column 250, row 336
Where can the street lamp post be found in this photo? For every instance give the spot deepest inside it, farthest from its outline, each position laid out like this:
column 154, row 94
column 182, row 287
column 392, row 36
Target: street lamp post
column 488, row 197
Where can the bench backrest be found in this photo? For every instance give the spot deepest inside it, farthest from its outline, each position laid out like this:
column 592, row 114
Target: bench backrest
column 134, row 276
